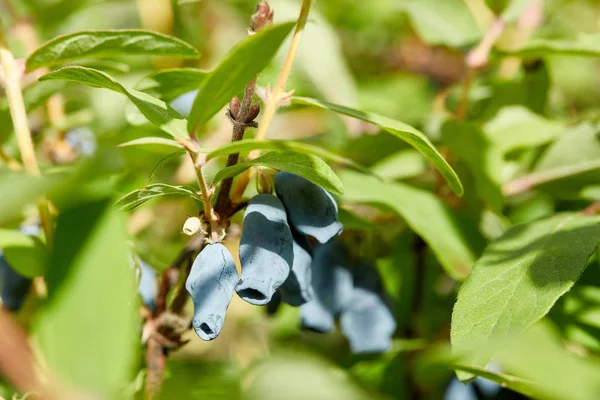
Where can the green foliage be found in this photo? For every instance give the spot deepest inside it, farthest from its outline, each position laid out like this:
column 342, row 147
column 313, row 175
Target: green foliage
column 520, row 276
column 157, row 112
column 242, row 64
column 305, row 165
column 70, row 47
column 471, row 194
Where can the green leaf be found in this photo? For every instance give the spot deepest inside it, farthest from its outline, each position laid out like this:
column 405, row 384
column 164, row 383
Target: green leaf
column 139, row 196
column 401, row 165
column 169, row 84
column 585, row 44
column 307, row 166
column 508, row 10
column 238, row 68
column 88, row 329
column 447, row 22
column 453, row 239
column 286, row 146
column 26, row 254
column 516, row 127
column 152, row 141
column 405, row 132
column 483, row 158
column 85, row 44
column 157, row 111
column 520, row 276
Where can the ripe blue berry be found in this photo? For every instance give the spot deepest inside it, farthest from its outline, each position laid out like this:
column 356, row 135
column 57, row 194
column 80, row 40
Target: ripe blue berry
column 332, row 285
column 311, row 210
column 297, row 288
column 211, row 284
column 368, row 322
column 266, row 249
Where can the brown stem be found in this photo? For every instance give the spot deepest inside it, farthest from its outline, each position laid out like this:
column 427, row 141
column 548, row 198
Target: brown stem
column 239, row 127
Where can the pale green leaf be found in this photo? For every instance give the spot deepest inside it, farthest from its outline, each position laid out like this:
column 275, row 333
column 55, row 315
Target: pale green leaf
column 152, row 141
column 88, row 329
column 157, row 111
column 84, row 44
column 520, row 276
column 238, row 68
column 516, row 127
column 26, row 254
column 401, row 165
column 405, row 132
column 168, row 84
column 140, row 196
column 307, row 166
column 454, row 240
column 447, row 22
column 585, row 44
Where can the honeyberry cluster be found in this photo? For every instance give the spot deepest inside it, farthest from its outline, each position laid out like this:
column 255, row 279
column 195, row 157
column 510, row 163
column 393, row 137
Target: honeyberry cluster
column 278, row 262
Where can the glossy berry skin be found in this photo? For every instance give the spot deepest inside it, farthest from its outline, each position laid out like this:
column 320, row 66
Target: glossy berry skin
column 211, row 284
column 148, row 286
column 312, row 211
column 266, row 249
column 332, row 285
column 297, row 288
column 13, row 286
column 368, row 323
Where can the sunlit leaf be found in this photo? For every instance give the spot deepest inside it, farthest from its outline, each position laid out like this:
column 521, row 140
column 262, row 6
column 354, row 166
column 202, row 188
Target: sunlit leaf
column 520, row 276
column 240, row 66
column 25, row 254
column 307, row 166
column 405, row 132
column 157, row 111
column 73, row 46
column 453, row 239
column 140, row 196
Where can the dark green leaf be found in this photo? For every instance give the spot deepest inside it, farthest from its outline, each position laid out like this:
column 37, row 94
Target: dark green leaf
column 240, row 66
column 88, row 329
column 520, row 276
column 157, row 111
column 140, row 196
column 454, row 240
column 307, row 166
column 405, row 132
column 169, row 84
column 73, row 46
column 26, row 254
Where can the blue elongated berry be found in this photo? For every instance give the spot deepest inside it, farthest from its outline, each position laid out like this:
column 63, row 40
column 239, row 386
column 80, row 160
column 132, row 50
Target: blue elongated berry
column 368, row 323
column 211, row 284
column 13, row 286
column 148, row 286
column 266, row 249
column 297, row 288
column 332, row 286
column 311, row 209
column 457, row 390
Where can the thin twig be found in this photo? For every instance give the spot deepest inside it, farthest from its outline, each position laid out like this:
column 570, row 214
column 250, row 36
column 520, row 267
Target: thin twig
column 274, row 98
column 242, row 115
column 14, row 94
